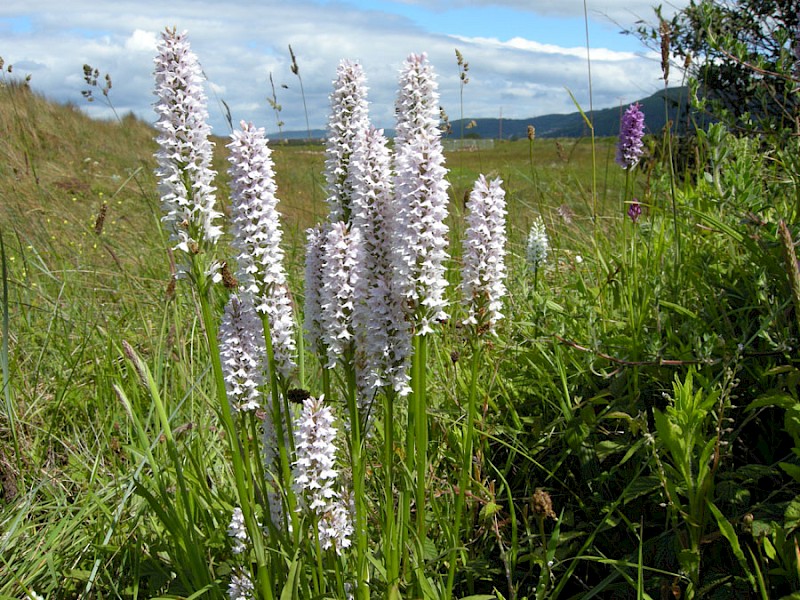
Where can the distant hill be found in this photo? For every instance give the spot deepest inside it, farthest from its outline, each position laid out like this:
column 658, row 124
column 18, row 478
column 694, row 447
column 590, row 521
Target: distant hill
column 572, row 125
column 299, row 135
column 606, row 121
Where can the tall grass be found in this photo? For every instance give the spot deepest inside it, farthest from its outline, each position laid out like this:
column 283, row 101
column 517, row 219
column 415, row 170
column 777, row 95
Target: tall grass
column 631, row 431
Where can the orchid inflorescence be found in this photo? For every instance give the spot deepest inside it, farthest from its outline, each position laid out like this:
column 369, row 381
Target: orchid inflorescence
column 630, row 147
column 374, row 279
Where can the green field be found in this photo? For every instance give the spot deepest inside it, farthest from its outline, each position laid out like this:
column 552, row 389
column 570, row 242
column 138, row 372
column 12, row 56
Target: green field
column 645, row 378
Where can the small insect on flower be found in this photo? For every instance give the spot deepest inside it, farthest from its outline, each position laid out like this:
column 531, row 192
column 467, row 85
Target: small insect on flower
column 297, row 395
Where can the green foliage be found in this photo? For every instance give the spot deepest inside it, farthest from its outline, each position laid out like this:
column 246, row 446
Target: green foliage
column 632, row 429
column 687, row 470
column 741, row 54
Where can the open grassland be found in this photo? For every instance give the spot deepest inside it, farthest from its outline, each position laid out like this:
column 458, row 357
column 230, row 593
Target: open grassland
column 645, row 377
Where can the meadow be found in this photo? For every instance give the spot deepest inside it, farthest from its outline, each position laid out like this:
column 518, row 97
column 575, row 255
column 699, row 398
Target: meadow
column 629, row 430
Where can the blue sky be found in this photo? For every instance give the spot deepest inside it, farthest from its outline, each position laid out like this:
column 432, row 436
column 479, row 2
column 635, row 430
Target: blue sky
column 560, row 27
column 524, row 55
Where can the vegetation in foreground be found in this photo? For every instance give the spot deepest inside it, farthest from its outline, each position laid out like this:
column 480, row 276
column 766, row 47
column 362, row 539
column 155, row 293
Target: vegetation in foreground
column 630, row 431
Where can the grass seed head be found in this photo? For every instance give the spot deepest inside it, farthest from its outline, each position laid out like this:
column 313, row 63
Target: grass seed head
column 542, row 504
column 101, row 219
column 664, row 30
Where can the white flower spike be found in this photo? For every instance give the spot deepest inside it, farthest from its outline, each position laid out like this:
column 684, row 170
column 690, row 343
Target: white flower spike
column 484, row 271
column 257, row 237
column 421, row 190
column 185, row 151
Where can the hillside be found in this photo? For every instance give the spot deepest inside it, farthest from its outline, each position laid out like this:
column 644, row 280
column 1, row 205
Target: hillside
column 60, row 168
column 572, row 125
column 606, row 121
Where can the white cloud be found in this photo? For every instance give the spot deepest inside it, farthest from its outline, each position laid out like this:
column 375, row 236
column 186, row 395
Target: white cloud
column 141, row 41
column 240, row 43
column 518, row 43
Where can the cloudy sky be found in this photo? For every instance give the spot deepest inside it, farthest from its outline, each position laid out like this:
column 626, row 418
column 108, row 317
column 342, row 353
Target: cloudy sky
column 523, row 55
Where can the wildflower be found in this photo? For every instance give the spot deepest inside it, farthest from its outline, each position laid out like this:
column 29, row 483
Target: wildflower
column 336, row 526
column 257, row 238
column 484, row 270
column 184, row 156
column 421, row 190
column 634, row 210
column 380, row 325
column 536, row 250
column 315, row 240
column 349, row 117
column 630, row 147
column 242, row 353
column 337, row 294
column 237, row 531
column 241, row 587
column 315, row 473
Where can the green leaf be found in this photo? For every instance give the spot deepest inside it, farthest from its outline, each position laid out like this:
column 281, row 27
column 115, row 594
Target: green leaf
column 580, row 110
column 201, row 592
column 753, row 472
column 554, row 307
column 773, row 398
column 289, row 591
column 715, row 223
column 705, row 457
column 671, row 436
column 769, row 549
column 791, row 422
column 689, row 561
column 428, row 592
column 762, row 529
column 727, row 530
column 791, row 470
column 678, row 309
column 607, row 448
column 791, row 517
column 429, row 550
column 642, row 486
